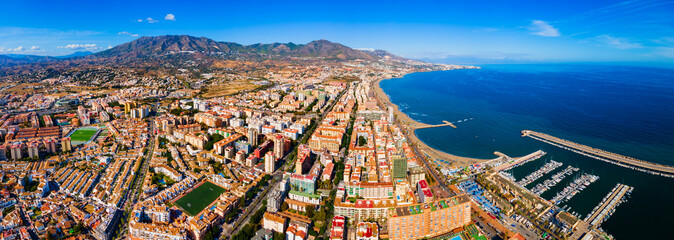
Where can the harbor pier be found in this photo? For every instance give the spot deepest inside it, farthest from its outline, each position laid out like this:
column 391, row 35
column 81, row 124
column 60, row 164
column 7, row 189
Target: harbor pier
column 607, row 205
column 613, row 158
column 514, row 162
column 445, row 123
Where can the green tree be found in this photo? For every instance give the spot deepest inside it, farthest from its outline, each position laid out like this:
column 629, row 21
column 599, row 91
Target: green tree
column 310, row 211
column 279, row 236
column 362, row 141
column 212, row 139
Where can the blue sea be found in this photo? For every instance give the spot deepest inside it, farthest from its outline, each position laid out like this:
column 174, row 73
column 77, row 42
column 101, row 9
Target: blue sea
column 626, row 110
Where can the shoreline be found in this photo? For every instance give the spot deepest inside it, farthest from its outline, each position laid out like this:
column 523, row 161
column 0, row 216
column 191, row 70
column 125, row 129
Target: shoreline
column 412, row 125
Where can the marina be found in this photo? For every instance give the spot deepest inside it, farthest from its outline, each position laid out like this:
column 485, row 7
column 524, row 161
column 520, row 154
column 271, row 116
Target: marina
column 607, row 206
column 554, row 180
column 579, row 184
column 508, row 176
column 545, row 169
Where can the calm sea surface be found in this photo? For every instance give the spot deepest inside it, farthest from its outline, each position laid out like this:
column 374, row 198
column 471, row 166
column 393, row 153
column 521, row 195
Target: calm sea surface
column 626, row 110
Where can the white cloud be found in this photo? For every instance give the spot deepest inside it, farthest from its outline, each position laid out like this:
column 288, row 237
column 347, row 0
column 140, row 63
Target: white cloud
column 35, row 48
column 10, row 50
column 150, row 20
column 128, row 33
column 89, row 47
column 542, row 28
column 617, row 42
column 139, row 20
column 109, row 46
column 170, row 17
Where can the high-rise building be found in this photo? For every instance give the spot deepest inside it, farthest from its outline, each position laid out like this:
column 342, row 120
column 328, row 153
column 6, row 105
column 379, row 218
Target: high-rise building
column 278, row 146
column 431, row 219
column 66, row 145
column 390, row 115
column 16, row 149
column 141, row 112
column 128, row 106
column 3, row 151
column 252, row 136
column 251, row 161
column 229, row 152
column 104, row 117
column 50, row 145
column 240, row 157
column 269, row 162
column 34, row 149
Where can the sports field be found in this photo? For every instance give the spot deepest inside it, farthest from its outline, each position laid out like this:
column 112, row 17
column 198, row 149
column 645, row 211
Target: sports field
column 82, row 134
column 199, row 198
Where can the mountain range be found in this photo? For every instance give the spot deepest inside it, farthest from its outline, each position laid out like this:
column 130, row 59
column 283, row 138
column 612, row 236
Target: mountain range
column 170, row 52
column 171, row 44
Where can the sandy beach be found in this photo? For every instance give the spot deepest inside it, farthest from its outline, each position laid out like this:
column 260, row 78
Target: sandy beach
column 410, row 125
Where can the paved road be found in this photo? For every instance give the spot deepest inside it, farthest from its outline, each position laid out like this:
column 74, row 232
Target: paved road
column 521, row 229
column 251, row 209
column 132, row 195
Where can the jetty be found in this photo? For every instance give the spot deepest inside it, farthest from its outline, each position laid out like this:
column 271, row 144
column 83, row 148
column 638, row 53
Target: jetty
column 608, row 205
column 614, row 158
column 445, row 123
column 545, row 169
column 515, row 162
column 554, row 180
column 579, row 184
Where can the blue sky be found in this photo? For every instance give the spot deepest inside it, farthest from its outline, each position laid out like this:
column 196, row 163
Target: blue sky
column 462, row 31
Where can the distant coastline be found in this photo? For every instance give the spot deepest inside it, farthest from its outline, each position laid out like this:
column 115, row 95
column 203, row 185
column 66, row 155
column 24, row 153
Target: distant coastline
column 410, row 126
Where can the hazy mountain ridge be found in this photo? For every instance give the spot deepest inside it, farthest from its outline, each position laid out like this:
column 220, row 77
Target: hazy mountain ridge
column 9, row 60
column 169, row 44
column 171, row 52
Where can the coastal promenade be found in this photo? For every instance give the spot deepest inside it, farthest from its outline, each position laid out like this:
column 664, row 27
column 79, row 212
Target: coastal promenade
column 614, row 158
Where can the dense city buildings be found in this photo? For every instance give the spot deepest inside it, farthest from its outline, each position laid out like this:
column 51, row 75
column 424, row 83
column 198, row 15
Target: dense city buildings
column 295, row 148
column 194, row 172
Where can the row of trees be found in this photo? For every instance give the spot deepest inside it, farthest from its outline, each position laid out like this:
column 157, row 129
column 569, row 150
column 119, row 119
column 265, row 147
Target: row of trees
column 248, row 231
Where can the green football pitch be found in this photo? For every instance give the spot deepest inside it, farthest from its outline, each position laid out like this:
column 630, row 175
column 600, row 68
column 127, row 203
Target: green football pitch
column 199, row 198
column 82, row 135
